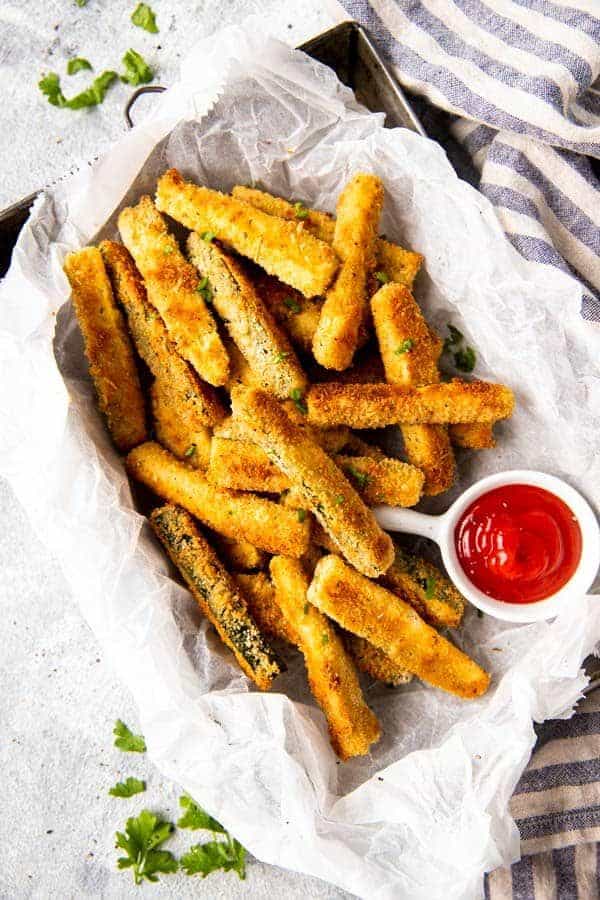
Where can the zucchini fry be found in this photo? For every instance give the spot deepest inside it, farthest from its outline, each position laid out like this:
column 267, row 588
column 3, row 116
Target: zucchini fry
column 242, row 466
column 107, row 348
column 239, row 555
column 409, row 355
column 176, row 429
column 333, row 680
column 355, row 446
column 388, row 481
column 284, row 249
column 378, row 405
column 263, row 344
column 197, row 401
column 373, row 661
column 259, row 594
column 241, row 517
column 174, row 288
column 321, row 485
column 422, row 585
column 398, row 264
column 298, row 315
column 383, row 619
column 215, row 593
column 479, row 436
column 358, row 210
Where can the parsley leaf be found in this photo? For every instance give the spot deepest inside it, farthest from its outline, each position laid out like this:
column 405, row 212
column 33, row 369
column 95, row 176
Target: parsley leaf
column 464, row 359
column 455, row 337
column 297, row 397
column 81, row 2
column 281, row 355
column 208, row 236
column 137, row 70
column 204, row 289
column 142, row 837
column 127, row 741
column 292, row 305
column 362, row 477
column 300, row 211
column 128, row 788
column 195, row 817
column 202, row 859
column 77, row 64
column 324, row 639
column 430, row 584
column 382, row 277
column 190, row 450
column 405, row 347
column 339, row 500
column 143, row 17
column 92, row 96
column 301, row 513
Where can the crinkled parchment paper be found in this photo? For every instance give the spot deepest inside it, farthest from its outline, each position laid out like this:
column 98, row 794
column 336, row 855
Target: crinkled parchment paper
column 426, row 813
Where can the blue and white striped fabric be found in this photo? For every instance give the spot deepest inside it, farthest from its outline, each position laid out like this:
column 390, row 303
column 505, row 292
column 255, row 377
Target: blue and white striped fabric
column 521, row 80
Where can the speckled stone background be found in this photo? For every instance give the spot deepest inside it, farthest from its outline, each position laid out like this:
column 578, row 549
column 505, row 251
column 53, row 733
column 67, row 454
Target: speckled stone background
column 59, row 699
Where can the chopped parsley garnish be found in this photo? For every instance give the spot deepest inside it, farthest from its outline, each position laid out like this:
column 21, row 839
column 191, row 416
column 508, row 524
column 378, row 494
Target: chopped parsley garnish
column 405, row 347
column 281, row 355
column 300, row 211
column 127, row 741
column 301, row 513
column 362, row 477
column 92, row 96
column 208, row 236
column 204, row 289
column 339, row 500
column 382, row 277
column 127, row 788
column 298, row 399
column 454, row 337
column 81, row 2
column 143, row 17
column 190, row 450
column 324, row 639
column 168, row 249
column 430, row 584
column 143, row 835
column 292, row 305
column 464, row 359
column 137, row 70
column 195, row 817
column 77, row 64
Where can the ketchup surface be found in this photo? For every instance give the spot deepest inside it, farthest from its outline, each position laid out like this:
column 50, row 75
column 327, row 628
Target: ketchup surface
column 518, row 543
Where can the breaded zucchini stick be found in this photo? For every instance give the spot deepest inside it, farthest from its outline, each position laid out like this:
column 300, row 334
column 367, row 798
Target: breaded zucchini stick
column 479, row 436
column 174, row 288
column 409, row 356
column 333, row 680
column 373, row 661
column 176, row 429
column 243, row 466
column 321, row 485
column 355, row 446
column 378, row 405
column 388, row 481
column 358, row 210
column 259, row 594
column 263, row 344
column 397, row 263
column 107, row 348
column 216, row 593
column 383, row 619
column 242, row 517
column 282, row 248
column 197, row 401
column 298, row 315
column 422, row 585
column 240, row 556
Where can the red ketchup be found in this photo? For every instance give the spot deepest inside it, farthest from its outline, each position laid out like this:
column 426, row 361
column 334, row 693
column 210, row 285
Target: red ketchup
column 518, row 543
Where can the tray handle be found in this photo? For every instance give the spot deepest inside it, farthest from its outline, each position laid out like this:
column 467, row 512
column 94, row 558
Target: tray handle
column 146, row 89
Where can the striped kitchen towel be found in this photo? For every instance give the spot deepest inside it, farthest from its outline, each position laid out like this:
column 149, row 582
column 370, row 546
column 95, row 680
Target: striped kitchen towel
column 520, row 80
column 556, row 806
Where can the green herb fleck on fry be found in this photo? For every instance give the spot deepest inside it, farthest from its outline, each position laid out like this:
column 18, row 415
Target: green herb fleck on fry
column 339, row 500
column 382, row 277
column 208, row 236
column 301, row 513
column 362, row 477
column 430, row 584
column 190, row 450
column 292, row 305
column 204, row 289
column 324, row 639
column 127, row 741
column 281, row 355
column 300, row 211
column 405, row 347
column 143, row 17
column 298, row 399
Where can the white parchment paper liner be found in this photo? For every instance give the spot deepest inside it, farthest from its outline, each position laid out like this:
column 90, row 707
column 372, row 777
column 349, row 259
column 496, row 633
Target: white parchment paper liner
column 426, row 814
